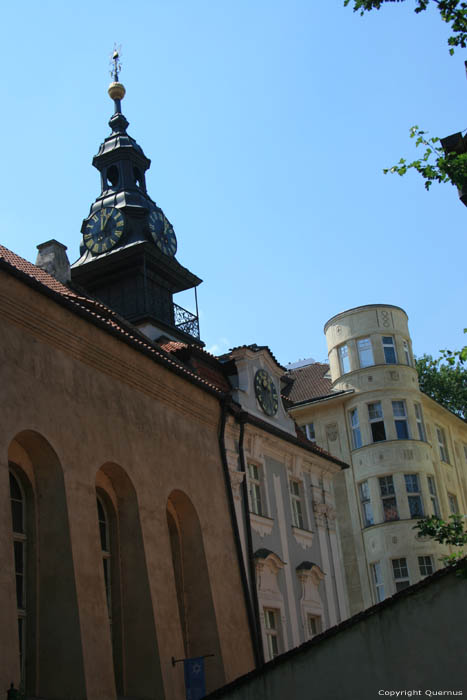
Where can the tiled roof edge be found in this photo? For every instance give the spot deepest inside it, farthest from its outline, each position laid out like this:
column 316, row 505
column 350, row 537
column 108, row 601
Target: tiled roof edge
column 324, row 397
column 124, row 331
column 278, row 432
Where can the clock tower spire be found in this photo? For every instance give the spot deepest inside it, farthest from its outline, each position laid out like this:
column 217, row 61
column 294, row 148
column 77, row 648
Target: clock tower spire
column 128, row 246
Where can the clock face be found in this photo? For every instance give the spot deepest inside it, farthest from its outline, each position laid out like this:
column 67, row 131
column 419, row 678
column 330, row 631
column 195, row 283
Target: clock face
column 266, row 392
column 103, row 230
column 162, row 232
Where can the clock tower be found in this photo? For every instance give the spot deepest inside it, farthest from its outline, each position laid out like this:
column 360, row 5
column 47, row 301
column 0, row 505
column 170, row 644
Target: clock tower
column 128, row 246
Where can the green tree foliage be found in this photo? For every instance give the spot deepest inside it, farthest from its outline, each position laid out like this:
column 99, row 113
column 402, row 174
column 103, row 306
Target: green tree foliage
column 445, row 379
column 450, row 532
column 435, row 165
column 453, row 12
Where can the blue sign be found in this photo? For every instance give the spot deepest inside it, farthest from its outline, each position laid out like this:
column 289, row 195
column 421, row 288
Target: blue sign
column 195, row 685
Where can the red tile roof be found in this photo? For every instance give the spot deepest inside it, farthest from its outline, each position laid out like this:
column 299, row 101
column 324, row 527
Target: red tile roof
column 308, row 382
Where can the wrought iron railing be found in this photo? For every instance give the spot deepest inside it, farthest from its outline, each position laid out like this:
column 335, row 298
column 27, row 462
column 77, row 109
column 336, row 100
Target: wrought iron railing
column 186, row 321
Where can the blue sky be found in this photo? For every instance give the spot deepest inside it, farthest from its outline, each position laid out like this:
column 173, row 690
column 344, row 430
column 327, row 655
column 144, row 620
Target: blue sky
column 268, row 124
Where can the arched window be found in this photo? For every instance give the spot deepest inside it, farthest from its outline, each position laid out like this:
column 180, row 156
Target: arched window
column 104, row 531
column 18, row 518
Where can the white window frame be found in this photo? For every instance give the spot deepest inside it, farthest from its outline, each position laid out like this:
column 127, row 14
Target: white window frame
column 453, row 504
column 406, row 347
column 378, row 582
column 399, row 411
column 355, row 429
column 365, row 352
column 414, row 494
column 378, row 417
column 272, row 632
column 367, row 508
column 442, row 444
column 420, row 422
column 256, row 496
column 314, row 625
column 390, row 346
column 433, row 495
column 344, row 358
column 425, row 562
column 296, row 503
column 388, row 493
column 400, row 573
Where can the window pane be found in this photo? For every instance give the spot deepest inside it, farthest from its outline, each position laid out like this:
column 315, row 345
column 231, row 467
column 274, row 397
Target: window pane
column 390, row 509
column 368, row 514
column 17, row 516
column 365, row 352
column 386, row 485
column 398, row 408
column 411, row 483
column 344, row 358
column 415, row 507
column 378, row 431
column 375, row 411
column 400, row 585
column 389, row 350
column 425, row 564
column 402, row 430
column 400, row 567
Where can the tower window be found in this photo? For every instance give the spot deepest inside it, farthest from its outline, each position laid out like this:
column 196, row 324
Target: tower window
column 433, row 496
column 365, row 352
column 375, row 415
column 138, row 177
column 388, row 498
column 412, row 485
column 389, row 349
column 344, row 359
column 355, row 425
column 401, row 573
column 367, row 508
column 378, row 581
column 112, row 176
column 400, row 420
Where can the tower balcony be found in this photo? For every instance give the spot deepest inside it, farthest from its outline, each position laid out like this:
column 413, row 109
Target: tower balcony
column 186, row 321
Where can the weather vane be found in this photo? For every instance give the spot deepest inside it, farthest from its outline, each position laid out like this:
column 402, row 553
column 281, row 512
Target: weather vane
column 115, row 64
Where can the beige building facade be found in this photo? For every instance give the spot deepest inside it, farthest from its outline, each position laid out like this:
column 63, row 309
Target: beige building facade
column 408, row 454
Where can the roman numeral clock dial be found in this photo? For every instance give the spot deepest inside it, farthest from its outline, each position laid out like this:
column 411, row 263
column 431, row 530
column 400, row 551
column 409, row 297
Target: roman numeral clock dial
column 162, row 232
column 103, row 230
column 266, row 392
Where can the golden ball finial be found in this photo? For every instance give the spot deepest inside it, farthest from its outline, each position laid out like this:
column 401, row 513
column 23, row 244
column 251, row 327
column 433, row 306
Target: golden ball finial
column 116, row 91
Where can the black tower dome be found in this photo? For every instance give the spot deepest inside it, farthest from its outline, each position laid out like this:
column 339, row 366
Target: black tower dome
column 128, row 246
